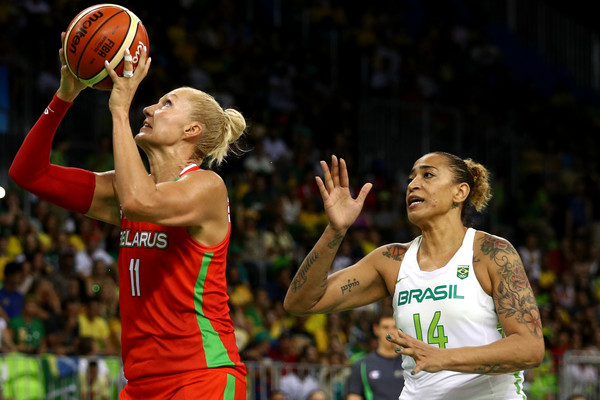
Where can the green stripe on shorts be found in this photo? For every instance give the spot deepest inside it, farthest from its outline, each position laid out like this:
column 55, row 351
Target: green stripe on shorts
column 229, row 393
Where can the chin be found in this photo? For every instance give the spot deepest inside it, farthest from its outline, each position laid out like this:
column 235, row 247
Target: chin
column 140, row 137
column 141, row 140
column 414, row 219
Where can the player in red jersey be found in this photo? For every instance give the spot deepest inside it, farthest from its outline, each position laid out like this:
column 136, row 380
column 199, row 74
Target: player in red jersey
column 178, row 340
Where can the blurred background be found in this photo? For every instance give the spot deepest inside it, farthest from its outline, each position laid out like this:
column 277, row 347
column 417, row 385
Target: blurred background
column 513, row 85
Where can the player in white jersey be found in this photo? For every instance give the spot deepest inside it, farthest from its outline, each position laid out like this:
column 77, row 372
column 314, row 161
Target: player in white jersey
column 467, row 317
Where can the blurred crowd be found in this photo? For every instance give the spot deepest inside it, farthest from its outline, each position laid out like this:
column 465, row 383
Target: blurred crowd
column 297, row 72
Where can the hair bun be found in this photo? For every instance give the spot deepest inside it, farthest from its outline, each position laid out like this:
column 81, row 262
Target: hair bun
column 237, row 124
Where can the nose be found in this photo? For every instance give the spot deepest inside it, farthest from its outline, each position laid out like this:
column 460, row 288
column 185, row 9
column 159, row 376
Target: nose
column 148, row 111
column 412, row 184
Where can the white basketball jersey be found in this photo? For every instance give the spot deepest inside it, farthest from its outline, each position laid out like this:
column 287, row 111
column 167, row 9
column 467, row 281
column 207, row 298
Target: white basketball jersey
column 448, row 308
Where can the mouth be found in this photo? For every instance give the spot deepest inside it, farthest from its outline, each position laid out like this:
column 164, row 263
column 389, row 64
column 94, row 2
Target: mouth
column 414, row 201
column 146, row 124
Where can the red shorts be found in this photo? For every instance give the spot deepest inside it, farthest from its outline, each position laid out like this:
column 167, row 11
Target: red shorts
column 217, row 383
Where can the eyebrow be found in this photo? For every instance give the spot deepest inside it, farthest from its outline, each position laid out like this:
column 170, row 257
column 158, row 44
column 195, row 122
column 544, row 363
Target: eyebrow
column 167, row 96
column 422, row 167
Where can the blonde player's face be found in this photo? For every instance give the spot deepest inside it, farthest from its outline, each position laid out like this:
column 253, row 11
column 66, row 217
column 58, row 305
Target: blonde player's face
column 430, row 189
column 165, row 121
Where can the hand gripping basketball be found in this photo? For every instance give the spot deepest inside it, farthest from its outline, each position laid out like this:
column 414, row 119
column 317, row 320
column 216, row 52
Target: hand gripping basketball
column 124, row 88
column 128, row 69
column 103, row 32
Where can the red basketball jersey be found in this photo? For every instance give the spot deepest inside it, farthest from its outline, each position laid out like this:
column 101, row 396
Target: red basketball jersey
column 173, row 302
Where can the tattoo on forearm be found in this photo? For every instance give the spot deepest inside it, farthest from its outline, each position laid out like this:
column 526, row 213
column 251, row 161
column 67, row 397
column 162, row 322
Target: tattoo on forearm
column 395, row 252
column 335, row 242
column 349, row 285
column 300, row 278
column 492, row 369
column 514, row 296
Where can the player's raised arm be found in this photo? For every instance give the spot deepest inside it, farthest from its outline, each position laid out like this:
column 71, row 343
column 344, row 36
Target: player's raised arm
column 311, row 291
column 71, row 188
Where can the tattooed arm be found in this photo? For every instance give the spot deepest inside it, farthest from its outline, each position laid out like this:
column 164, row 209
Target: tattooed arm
column 501, row 274
column 523, row 346
column 311, row 290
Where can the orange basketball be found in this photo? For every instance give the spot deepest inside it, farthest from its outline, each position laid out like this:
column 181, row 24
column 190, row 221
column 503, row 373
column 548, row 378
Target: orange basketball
column 103, row 32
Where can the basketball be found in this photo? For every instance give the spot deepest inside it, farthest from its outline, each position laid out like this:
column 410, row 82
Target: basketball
column 103, row 32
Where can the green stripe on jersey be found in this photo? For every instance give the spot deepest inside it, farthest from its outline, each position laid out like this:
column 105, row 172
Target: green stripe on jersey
column 365, row 379
column 214, row 349
column 519, row 384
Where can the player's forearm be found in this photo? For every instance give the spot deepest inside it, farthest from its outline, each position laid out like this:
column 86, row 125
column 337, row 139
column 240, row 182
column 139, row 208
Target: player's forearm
column 310, row 282
column 510, row 354
column 68, row 94
column 69, row 188
column 132, row 180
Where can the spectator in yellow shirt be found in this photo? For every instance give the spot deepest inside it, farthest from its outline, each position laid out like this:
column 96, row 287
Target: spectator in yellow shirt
column 92, row 324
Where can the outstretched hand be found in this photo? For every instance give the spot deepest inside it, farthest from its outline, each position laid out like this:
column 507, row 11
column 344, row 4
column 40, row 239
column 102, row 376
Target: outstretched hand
column 341, row 208
column 427, row 357
column 70, row 86
column 124, row 88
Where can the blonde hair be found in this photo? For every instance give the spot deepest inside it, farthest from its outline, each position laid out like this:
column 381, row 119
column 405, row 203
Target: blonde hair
column 221, row 128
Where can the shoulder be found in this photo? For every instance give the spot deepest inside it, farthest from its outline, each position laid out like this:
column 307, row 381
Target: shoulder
column 205, row 175
column 386, row 261
column 496, row 254
column 492, row 245
column 392, row 251
column 204, row 180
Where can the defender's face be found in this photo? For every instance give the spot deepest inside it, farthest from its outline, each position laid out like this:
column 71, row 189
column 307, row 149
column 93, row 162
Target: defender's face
column 430, row 188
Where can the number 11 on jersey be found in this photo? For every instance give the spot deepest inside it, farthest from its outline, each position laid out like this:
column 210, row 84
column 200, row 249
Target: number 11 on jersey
column 134, row 275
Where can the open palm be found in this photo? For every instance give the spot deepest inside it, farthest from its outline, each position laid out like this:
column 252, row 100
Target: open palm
column 340, row 207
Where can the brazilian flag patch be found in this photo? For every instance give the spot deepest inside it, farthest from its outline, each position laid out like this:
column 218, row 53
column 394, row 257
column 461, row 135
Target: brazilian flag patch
column 462, row 271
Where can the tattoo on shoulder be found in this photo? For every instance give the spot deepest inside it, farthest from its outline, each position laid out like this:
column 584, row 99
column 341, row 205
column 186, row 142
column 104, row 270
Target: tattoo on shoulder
column 300, row 278
column 337, row 239
column 514, row 296
column 395, row 252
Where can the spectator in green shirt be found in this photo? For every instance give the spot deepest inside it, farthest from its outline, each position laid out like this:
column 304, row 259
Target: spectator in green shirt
column 27, row 328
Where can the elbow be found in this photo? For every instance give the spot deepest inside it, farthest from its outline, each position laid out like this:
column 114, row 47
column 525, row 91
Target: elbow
column 534, row 354
column 293, row 307
column 25, row 177
column 17, row 177
column 139, row 205
column 538, row 355
column 133, row 210
column 288, row 306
